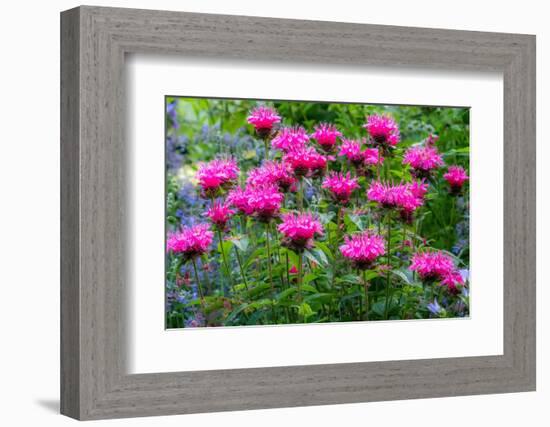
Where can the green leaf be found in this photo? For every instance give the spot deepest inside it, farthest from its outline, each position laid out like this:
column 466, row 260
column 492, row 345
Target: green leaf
column 407, row 278
column 241, row 243
column 308, row 278
column 286, row 294
column 355, row 219
column 305, row 310
column 326, row 250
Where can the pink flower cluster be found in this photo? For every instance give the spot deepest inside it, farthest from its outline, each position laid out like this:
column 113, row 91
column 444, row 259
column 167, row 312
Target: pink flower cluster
column 363, row 249
column 326, row 135
column 407, row 196
column 436, row 265
column 263, row 119
column 263, row 201
column 290, row 138
column 305, row 161
column 383, row 130
column 456, row 177
column 220, row 213
column 299, row 230
column 351, row 149
column 216, row 175
column 272, row 173
column 372, row 157
column 190, row 242
column 423, row 159
column 341, row 186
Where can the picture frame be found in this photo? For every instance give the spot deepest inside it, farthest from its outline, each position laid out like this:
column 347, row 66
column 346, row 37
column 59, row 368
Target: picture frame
column 94, row 381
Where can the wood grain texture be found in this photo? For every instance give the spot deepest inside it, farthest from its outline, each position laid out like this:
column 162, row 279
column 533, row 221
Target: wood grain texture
column 94, row 267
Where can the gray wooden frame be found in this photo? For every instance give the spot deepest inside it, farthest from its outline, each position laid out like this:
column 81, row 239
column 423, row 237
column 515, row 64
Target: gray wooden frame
column 94, row 41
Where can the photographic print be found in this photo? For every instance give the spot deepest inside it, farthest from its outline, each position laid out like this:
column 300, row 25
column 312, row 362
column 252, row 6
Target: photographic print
column 290, row 212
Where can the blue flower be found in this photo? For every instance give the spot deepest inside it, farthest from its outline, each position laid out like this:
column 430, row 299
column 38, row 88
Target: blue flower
column 171, row 111
column 434, row 307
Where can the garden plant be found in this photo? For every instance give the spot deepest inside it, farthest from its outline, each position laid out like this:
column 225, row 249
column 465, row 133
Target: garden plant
column 282, row 212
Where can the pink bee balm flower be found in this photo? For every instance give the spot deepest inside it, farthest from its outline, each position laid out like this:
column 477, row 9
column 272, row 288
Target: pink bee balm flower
column 386, row 195
column 456, row 177
column 418, row 188
column 423, row 159
column 217, row 174
column 406, row 197
column 434, row 265
column 264, row 201
column 272, row 173
column 304, row 161
column 372, row 157
column 190, row 242
column 351, row 149
column 299, row 230
column 341, row 186
column 293, row 270
column 263, row 119
column 453, row 281
column 363, row 249
column 383, row 130
column 287, row 139
column 239, row 198
column 219, row 213
column 326, row 134
column 432, row 139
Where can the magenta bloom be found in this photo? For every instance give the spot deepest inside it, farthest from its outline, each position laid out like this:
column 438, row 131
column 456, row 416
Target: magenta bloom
column 326, row 134
column 423, row 159
column 383, row 130
column 239, row 198
column 456, row 177
column 406, row 197
column 434, row 265
column 340, row 186
column 418, row 188
column 432, row 139
column 293, row 138
column 219, row 213
column 272, row 173
column 453, row 281
column 351, row 149
column 299, row 230
column 363, row 249
column 190, row 242
column 305, row 160
column 372, row 157
column 386, row 195
column 263, row 119
column 263, row 202
column 217, row 174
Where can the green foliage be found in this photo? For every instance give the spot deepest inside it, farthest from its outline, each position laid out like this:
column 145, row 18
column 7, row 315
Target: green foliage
column 331, row 289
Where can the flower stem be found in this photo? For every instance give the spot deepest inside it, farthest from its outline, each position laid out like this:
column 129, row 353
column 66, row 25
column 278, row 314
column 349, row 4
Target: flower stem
column 388, row 243
column 239, row 261
column 366, row 286
column 300, row 278
column 266, row 145
column 269, row 258
column 287, row 270
column 378, row 165
column 300, row 194
column 205, row 274
column 201, row 295
column 226, row 264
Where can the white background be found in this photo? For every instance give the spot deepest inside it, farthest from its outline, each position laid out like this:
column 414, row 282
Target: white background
column 150, row 78
column 29, row 225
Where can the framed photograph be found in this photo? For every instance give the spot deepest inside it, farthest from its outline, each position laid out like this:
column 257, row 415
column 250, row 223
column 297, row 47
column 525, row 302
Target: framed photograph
column 278, row 213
